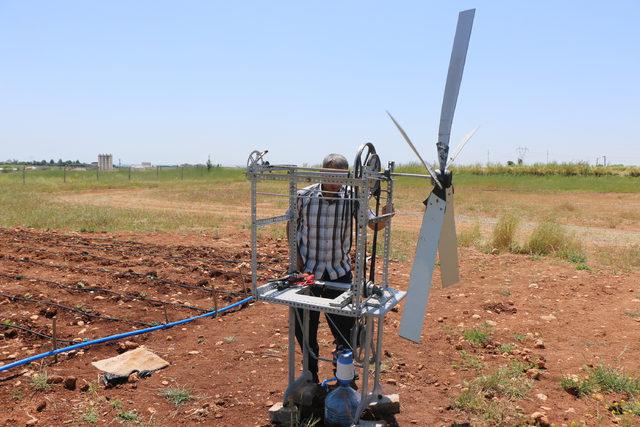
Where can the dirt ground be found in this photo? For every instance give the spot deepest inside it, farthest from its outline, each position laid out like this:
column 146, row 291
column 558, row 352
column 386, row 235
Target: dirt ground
column 235, row 366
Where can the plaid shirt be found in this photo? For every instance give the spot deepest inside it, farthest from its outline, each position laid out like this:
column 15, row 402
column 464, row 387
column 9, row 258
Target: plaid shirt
column 324, row 231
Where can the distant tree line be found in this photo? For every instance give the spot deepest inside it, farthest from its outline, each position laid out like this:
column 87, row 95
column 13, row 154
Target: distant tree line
column 51, row 162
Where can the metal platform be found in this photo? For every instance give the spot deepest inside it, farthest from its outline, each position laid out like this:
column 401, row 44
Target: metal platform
column 298, row 297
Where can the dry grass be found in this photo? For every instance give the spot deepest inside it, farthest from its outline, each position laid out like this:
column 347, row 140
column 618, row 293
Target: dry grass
column 622, row 258
column 503, row 237
column 567, row 207
column 551, row 238
column 470, row 237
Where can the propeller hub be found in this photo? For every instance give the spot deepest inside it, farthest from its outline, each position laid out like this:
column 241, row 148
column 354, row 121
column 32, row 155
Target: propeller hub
column 446, row 179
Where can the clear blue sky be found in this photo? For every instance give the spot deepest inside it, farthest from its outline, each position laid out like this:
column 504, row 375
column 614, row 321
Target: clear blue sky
column 170, row 82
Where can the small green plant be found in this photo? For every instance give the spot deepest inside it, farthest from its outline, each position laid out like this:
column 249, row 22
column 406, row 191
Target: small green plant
column 613, row 380
column 505, row 292
column 128, row 417
column 177, row 396
column 520, row 337
column 17, row 394
column 506, row 348
column 40, row 381
column 116, row 404
column 576, row 258
column 507, row 381
column 229, row 339
column 480, row 336
column 447, row 329
column 93, row 387
column 493, row 396
column 575, row 386
column 82, row 308
column 467, row 362
column 90, row 415
column 583, row 266
column 601, row 378
column 625, row 408
column 503, row 238
column 491, row 411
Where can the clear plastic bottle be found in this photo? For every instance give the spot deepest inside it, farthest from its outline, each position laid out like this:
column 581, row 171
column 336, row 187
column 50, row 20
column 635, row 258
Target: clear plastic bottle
column 341, row 405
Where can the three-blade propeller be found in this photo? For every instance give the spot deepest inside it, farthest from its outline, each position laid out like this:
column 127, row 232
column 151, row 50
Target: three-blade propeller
column 437, row 231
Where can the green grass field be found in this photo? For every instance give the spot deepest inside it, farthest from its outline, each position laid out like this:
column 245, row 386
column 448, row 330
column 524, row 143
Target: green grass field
column 217, row 201
column 36, row 203
column 534, row 178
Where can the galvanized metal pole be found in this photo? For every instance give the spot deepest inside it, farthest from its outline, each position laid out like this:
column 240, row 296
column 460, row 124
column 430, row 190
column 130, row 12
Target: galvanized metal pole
column 292, row 345
column 292, row 224
column 305, row 340
column 361, row 239
column 364, row 389
column 254, row 237
column 378, row 362
column 387, row 230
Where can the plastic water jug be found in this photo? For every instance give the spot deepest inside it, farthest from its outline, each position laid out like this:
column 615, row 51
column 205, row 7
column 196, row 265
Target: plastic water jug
column 341, row 404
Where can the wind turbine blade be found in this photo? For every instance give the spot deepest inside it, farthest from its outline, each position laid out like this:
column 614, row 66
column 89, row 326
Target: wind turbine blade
column 452, row 87
column 448, row 246
column 422, row 269
column 464, row 141
column 406, row 138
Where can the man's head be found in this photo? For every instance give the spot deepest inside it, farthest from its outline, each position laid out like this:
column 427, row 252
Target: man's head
column 334, row 161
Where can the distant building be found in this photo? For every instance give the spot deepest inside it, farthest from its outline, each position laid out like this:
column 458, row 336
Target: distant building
column 105, row 162
column 143, row 165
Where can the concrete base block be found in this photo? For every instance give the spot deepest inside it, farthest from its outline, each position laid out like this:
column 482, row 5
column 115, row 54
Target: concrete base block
column 389, row 404
column 283, row 416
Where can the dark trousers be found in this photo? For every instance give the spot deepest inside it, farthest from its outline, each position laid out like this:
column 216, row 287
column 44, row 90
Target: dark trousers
column 340, row 325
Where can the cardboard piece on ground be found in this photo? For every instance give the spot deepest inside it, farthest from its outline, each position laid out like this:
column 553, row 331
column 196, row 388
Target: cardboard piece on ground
column 137, row 360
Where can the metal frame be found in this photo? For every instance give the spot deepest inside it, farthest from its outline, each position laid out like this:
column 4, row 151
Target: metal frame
column 370, row 311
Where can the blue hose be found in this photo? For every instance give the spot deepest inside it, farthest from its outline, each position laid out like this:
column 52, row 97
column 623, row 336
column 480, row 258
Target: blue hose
column 120, row 336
